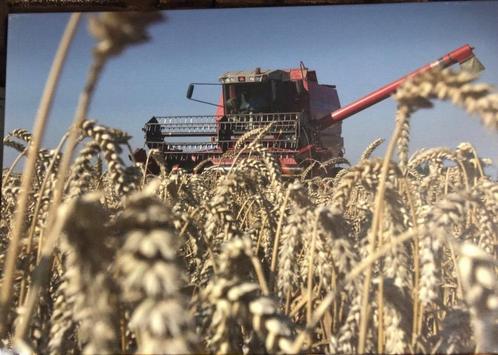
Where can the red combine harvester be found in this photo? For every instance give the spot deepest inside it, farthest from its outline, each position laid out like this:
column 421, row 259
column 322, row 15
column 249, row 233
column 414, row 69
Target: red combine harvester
column 305, row 117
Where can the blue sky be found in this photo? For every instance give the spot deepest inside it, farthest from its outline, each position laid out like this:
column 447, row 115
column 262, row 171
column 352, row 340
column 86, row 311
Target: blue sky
column 356, row 47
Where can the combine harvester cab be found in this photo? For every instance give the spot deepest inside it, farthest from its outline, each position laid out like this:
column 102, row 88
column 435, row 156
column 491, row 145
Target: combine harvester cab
column 305, row 118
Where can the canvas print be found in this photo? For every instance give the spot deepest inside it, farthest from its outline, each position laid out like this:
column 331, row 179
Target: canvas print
column 307, row 179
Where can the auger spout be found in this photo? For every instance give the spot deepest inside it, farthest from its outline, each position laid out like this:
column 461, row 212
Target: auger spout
column 463, row 55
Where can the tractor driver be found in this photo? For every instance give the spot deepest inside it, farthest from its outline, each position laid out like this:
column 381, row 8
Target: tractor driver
column 250, row 103
column 232, row 105
column 246, row 102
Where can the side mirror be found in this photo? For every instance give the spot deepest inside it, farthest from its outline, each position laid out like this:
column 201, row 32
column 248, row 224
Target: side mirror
column 190, row 91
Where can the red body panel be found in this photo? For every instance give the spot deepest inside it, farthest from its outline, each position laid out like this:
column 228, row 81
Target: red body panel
column 220, row 110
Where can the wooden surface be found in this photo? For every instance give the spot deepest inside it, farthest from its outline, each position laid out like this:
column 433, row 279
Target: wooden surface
column 3, row 70
column 19, row 6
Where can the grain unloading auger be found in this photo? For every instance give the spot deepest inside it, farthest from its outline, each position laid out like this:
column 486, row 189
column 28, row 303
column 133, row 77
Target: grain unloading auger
column 305, row 117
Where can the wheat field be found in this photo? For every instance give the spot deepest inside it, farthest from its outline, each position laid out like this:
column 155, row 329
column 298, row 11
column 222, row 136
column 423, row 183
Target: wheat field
column 394, row 254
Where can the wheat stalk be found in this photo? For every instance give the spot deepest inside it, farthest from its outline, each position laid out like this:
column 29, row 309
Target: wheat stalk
column 39, row 128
